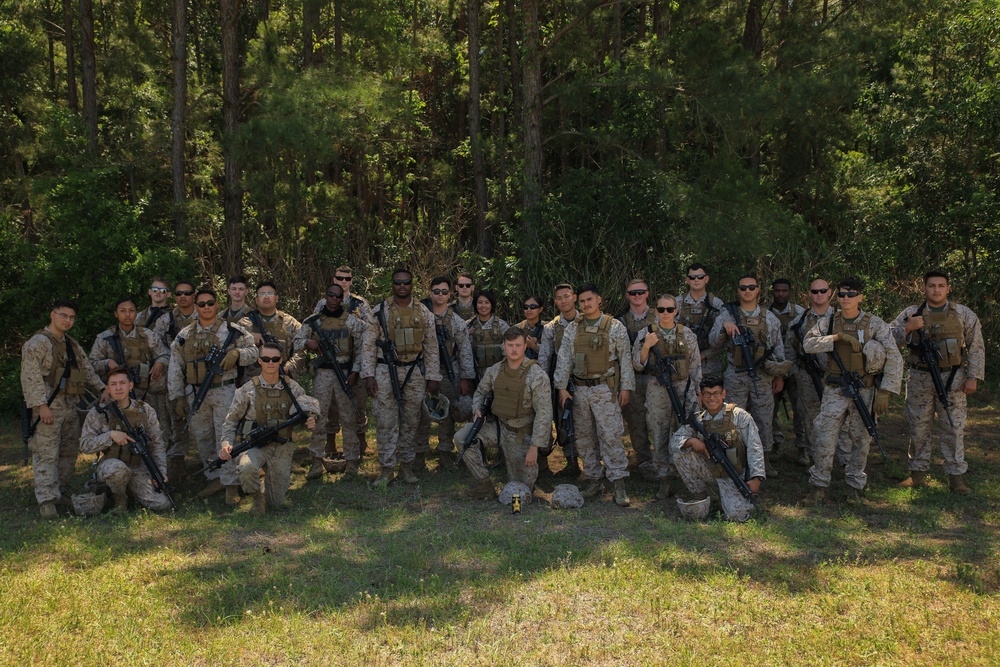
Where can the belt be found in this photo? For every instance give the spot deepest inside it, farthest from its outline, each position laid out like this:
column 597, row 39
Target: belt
column 925, row 369
column 581, row 382
column 401, row 363
column 867, row 381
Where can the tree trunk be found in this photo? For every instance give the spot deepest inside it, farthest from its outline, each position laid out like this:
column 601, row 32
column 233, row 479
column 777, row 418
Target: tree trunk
column 232, row 188
column 177, row 119
column 500, row 112
column 475, row 134
column 51, row 20
column 69, row 30
column 338, row 28
column 532, row 82
column 89, row 73
column 514, row 57
column 310, row 25
column 753, row 29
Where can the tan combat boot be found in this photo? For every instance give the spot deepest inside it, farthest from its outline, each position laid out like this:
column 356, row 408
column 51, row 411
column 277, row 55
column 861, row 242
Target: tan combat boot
column 317, row 469
column 480, row 489
column 916, row 478
column 259, row 507
column 769, row 470
column 233, row 495
column 956, row 484
column 854, row 496
column 621, row 497
column 212, row 488
column 351, row 470
column 384, row 479
column 47, row 510
column 665, row 491
column 591, row 488
column 406, row 472
column 121, row 503
column 803, row 458
column 815, row 497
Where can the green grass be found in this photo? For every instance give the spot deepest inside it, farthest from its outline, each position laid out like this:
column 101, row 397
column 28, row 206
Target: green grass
column 349, row 575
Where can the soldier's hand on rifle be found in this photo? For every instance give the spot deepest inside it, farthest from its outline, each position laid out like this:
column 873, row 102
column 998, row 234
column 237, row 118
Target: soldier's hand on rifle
column 113, row 365
column 120, row 438
column 623, row 397
column 881, row 402
column 969, row 386
column 477, row 414
column 181, row 408
column 156, row 371
column 230, row 360
column 850, row 340
column 563, row 395
column 432, row 387
column 697, row 445
column 257, row 340
column 464, row 387
column 45, row 414
column 777, row 385
column 732, row 329
column 754, row 484
column 371, row 387
column 914, row 323
column 531, row 457
column 225, row 452
column 312, row 345
column 311, row 422
column 352, row 378
column 650, row 340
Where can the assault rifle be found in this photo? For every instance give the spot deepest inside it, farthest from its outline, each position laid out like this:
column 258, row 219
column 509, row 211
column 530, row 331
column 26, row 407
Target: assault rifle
column 717, row 452
column 745, row 341
column 449, row 365
column 391, row 359
column 569, row 441
column 212, row 361
column 259, row 437
column 139, row 446
column 115, row 341
column 255, row 319
column 28, row 427
column 703, row 328
column 930, row 354
column 850, row 385
column 328, row 351
column 663, row 367
column 809, row 361
column 477, row 425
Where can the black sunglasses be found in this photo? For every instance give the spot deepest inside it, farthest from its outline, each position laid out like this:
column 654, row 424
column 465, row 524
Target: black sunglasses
column 270, row 360
column 531, row 306
column 847, row 295
column 637, row 292
column 402, row 282
column 666, row 309
column 184, row 292
column 744, row 288
column 205, row 304
column 820, row 291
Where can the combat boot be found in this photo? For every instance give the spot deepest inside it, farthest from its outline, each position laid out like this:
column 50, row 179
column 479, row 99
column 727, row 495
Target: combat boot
column 406, row 472
column 480, row 489
column 384, row 479
column 815, row 497
column 212, row 488
column 176, row 470
column 445, row 462
column 621, row 497
column 591, row 488
column 769, row 470
column 803, row 458
column 259, row 507
column 572, row 469
column 351, row 470
column 916, row 478
column 956, row 484
column 665, row 491
column 47, row 510
column 419, row 462
column 232, row 495
column 317, row 468
column 121, row 503
column 854, row 496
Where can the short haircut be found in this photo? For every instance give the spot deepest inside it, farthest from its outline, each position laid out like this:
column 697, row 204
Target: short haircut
column 277, row 345
column 514, row 333
column 401, row 269
column 206, row 290
column 344, row 269
column 747, row 275
column 534, row 297
column 183, row 282
column 266, row 283
column 563, row 286
column 237, row 279
column 125, row 299
column 852, row 283
column 490, row 296
column 437, row 280
column 782, row 281
column 636, row 281
column 466, row 274
column 334, row 284
column 710, row 381
column 588, row 287
column 121, row 370
column 696, row 267
column 65, row 303
column 669, row 297
column 935, row 273
column 159, row 279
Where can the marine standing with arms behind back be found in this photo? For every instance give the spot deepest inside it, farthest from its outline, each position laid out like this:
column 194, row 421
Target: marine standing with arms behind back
column 698, row 310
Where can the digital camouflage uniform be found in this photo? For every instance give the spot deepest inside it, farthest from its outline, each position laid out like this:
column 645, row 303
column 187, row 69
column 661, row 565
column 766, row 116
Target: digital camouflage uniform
column 236, row 316
column 959, row 337
column 361, row 309
column 786, row 316
column 522, row 408
column 258, row 403
column 553, row 335
column 699, row 315
column 118, row 468
column 738, row 429
column 537, row 332
column 740, row 389
column 596, row 413
column 879, row 354
column 283, row 327
column 460, row 350
column 416, row 346
column 487, row 341
column 191, row 346
column 634, row 413
column 167, row 323
column 347, row 332
column 466, row 312
column 681, row 346
column 54, row 446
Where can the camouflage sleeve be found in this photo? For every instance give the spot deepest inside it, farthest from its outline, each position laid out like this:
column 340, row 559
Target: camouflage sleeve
column 974, row 342
column 892, row 371
column 358, row 328
column 816, row 340
column 640, row 340
column 93, row 381
column 546, row 346
column 898, row 326
column 369, row 348
column 304, row 333
column 308, row 403
column 432, row 355
column 157, row 448
column 774, row 340
column 622, row 350
column 565, row 356
column 747, row 427
column 96, row 434
column 320, row 304
column 718, row 337
column 292, row 327
column 679, row 437
column 694, row 367
column 242, row 405
column 541, row 402
column 466, row 362
column 176, row 387
column 101, row 352
column 504, row 325
column 485, row 386
column 244, row 343
column 36, row 361
column 786, row 340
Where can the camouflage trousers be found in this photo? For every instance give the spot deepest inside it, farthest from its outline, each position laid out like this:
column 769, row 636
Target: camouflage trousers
column 333, row 420
column 276, row 462
column 636, row 419
column 757, row 400
column 121, row 477
column 807, row 403
column 599, row 430
column 696, row 473
column 54, row 448
column 660, row 417
column 711, row 363
column 178, row 441
column 326, row 389
column 459, row 411
column 395, row 440
column 164, row 414
column 837, row 413
column 206, row 424
column 513, row 443
column 791, row 400
column 921, row 404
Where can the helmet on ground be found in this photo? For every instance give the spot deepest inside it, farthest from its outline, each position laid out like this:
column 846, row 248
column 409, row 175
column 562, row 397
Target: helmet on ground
column 88, row 504
column 694, row 510
column 436, row 407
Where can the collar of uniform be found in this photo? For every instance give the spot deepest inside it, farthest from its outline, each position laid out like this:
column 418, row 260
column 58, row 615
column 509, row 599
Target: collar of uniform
column 690, row 299
column 787, row 308
column 55, row 335
column 639, row 318
column 708, row 416
column 751, row 313
column 129, row 334
column 564, row 322
column 268, row 385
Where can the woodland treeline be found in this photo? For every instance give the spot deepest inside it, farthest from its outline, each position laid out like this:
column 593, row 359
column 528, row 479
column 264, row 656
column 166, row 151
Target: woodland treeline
column 533, row 142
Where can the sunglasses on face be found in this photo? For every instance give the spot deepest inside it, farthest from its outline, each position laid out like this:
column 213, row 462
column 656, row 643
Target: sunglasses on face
column 265, row 295
column 439, row 292
column 335, row 295
column 847, row 295
column 820, row 291
column 184, row 292
column 637, row 292
column 402, row 282
column 159, row 290
column 531, row 306
column 745, row 288
column 666, row 309
column 696, row 276
column 270, row 360
column 463, row 285
column 345, row 279
column 205, row 304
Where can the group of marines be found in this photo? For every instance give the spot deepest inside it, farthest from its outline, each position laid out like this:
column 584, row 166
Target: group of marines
column 193, row 371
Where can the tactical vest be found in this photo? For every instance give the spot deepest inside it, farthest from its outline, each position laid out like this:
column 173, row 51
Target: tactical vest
column 634, row 326
column 147, row 318
column 854, row 362
column 179, row 321
column 757, row 324
column 335, row 329
column 352, row 304
column 508, row 391
column 697, row 317
column 535, row 331
column 558, row 331
column 799, row 328
column 676, row 350
column 592, row 347
column 945, row 329
column 465, row 312
column 726, row 428
column 406, row 330
column 447, row 323
column 784, row 318
column 137, row 418
column 76, row 381
column 273, row 327
column 137, row 354
column 234, row 318
column 195, row 348
column 487, row 344
column 273, row 405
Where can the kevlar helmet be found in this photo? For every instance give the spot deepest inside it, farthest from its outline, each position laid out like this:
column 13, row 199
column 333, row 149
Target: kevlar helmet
column 436, row 407
column 88, row 504
column 694, row 510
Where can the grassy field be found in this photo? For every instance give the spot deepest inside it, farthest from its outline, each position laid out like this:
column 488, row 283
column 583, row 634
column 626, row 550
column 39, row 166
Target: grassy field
column 413, row 576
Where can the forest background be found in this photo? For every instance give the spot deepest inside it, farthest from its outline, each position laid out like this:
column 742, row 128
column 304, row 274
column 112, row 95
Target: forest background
column 530, row 142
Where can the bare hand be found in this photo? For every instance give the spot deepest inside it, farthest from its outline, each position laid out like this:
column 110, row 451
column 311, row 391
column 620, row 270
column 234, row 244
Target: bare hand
column 464, row 387
column 257, row 339
column 478, row 414
column 121, row 438
column 432, row 387
column 352, row 379
column 754, row 485
column 697, row 445
column 156, row 371
column 533, row 343
column 650, row 340
column 371, row 387
column 969, row 386
column 914, row 323
column 311, row 423
column 777, row 385
column 312, row 345
column 531, row 457
column 563, row 395
column 732, row 329
column 225, row 452
column 623, row 397
column 113, row 365
column 45, row 414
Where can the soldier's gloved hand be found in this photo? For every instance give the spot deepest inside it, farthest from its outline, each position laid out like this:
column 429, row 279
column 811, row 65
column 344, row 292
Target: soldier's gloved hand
column 881, row 402
column 851, row 340
column 181, row 408
column 230, row 360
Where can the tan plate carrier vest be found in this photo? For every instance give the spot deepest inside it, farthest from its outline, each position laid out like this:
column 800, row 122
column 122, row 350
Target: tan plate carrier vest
column 76, row 383
column 592, row 350
column 137, row 354
column 194, row 350
column 693, row 314
column 676, row 350
column 508, row 391
column 487, row 344
column 726, row 428
column 273, row 405
column 406, row 330
column 854, row 362
column 137, row 418
column 336, row 330
column 757, row 324
column 945, row 329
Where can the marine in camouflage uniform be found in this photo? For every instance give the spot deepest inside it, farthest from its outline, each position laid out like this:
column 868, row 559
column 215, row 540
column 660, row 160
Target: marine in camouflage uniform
column 738, row 430
column 51, row 359
column 522, row 414
column 597, row 358
column 486, row 332
column 238, row 307
column 137, row 348
column 553, row 334
column 699, row 309
column 958, row 336
column 346, row 332
column 768, row 351
column 637, row 317
column 409, row 326
column 188, row 370
column 269, row 323
column 786, row 311
column 465, row 303
column 653, row 347
column 865, row 346
column 267, row 399
column 120, row 469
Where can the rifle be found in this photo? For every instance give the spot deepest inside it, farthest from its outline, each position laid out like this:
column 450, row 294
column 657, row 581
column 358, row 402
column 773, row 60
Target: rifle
column 717, row 452
column 850, row 385
column 259, row 437
column 809, row 362
column 139, row 446
column 254, row 317
column 477, row 425
column 569, row 442
column 119, row 350
column 27, row 426
column 744, row 339
column 664, row 369
column 391, row 359
column 449, row 366
column 212, row 361
column 328, row 350
column 703, row 328
column 930, row 354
